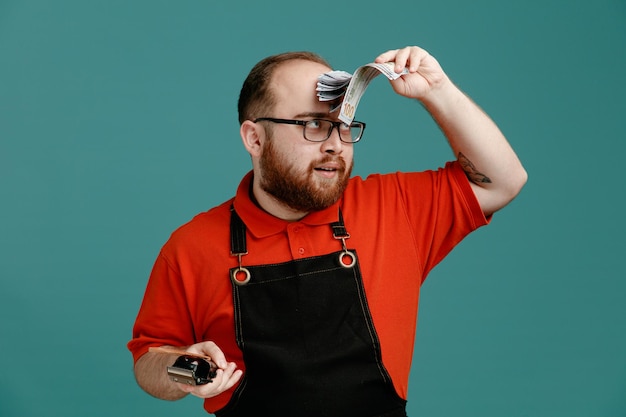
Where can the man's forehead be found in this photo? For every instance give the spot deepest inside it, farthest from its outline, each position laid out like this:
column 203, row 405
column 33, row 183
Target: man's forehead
column 295, row 82
column 298, row 71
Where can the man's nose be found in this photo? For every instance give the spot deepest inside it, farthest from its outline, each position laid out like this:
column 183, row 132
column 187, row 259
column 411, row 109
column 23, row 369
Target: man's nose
column 333, row 144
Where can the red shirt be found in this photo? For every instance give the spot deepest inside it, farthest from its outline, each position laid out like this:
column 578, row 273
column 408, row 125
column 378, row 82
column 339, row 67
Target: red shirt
column 401, row 226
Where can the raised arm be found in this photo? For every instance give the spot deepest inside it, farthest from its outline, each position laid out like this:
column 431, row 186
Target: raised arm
column 494, row 170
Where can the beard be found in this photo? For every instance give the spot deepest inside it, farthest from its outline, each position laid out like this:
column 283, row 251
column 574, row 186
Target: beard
column 301, row 190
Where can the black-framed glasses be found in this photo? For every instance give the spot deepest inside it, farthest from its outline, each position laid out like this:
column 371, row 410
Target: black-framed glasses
column 318, row 130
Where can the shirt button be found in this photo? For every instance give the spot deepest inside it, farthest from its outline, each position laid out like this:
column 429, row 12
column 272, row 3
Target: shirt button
column 301, row 251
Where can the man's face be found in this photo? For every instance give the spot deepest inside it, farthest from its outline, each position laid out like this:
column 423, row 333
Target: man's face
column 306, row 176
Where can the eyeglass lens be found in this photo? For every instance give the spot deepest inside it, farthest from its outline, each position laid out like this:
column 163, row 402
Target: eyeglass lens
column 320, row 130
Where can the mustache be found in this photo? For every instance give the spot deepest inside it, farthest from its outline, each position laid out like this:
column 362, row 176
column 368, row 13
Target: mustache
column 330, row 159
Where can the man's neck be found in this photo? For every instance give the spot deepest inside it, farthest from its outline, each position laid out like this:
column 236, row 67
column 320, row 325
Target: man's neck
column 272, row 205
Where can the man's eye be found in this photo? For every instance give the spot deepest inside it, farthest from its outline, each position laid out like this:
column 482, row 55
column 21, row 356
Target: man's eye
column 314, row 124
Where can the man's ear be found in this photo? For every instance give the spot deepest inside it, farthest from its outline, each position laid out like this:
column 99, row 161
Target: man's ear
column 252, row 136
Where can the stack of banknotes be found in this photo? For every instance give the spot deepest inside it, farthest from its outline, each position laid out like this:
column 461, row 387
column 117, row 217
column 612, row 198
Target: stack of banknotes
column 335, row 84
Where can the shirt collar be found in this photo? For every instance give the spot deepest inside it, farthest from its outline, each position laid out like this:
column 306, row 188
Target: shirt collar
column 262, row 224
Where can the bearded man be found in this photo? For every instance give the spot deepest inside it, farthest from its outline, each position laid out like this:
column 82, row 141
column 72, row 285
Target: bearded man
column 303, row 289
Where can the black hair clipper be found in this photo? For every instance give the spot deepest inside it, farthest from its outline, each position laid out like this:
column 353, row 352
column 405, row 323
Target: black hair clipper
column 192, row 370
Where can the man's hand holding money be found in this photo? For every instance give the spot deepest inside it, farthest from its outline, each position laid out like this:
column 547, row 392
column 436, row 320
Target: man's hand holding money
column 424, row 72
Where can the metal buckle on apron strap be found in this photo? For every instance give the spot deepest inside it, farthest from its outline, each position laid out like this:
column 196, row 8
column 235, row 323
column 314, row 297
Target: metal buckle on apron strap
column 340, row 233
column 235, row 274
column 346, row 253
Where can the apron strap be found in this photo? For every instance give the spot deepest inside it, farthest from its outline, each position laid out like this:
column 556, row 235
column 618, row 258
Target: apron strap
column 339, row 228
column 237, row 234
column 241, row 275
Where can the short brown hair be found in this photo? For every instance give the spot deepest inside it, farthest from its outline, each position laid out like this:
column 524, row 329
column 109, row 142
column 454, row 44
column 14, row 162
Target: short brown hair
column 255, row 95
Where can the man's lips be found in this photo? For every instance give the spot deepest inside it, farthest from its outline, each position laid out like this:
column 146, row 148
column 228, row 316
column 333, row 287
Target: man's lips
column 328, row 169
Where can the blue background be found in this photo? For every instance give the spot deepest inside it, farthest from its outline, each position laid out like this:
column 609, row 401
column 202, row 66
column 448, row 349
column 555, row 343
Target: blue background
column 118, row 123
